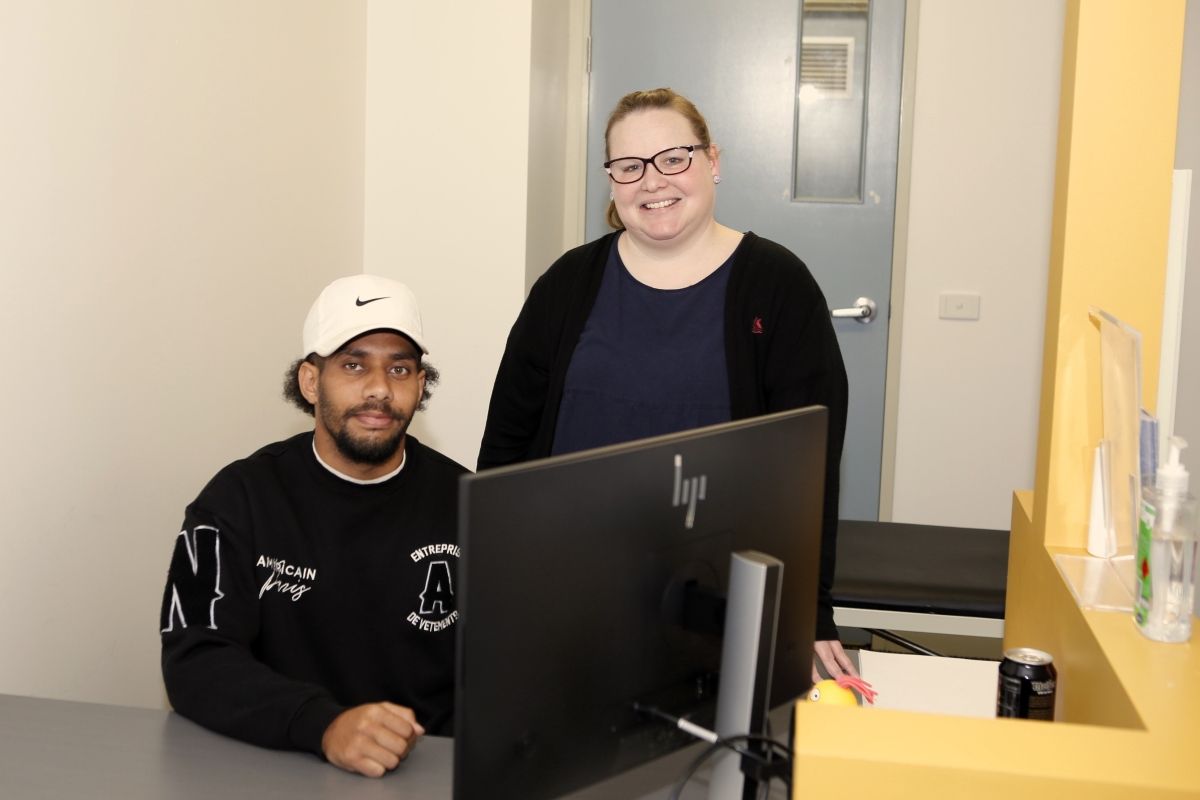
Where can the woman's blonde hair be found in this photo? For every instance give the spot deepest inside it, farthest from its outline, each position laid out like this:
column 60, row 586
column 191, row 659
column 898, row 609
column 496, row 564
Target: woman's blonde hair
column 645, row 101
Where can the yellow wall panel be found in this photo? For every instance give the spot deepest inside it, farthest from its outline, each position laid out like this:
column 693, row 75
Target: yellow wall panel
column 1120, row 97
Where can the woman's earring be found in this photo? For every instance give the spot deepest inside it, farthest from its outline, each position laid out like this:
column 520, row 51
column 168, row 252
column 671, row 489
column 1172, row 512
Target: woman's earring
column 611, row 197
column 716, row 178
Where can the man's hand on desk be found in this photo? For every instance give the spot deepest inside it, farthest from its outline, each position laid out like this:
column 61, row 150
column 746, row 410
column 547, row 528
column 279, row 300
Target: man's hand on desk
column 833, row 658
column 371, row 739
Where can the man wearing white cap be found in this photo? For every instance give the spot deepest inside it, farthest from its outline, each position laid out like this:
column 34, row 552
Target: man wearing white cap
column 310, row 600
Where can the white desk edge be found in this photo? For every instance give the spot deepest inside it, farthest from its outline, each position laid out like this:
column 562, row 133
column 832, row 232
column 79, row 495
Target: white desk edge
column 918, row 622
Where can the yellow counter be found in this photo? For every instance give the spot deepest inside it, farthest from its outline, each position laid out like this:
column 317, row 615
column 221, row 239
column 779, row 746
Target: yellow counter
column 1128, row 712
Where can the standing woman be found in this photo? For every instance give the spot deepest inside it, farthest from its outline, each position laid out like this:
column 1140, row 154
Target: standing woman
column 671, row 322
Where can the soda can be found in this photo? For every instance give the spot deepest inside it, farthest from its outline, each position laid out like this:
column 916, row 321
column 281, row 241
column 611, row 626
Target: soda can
column 1028, row 682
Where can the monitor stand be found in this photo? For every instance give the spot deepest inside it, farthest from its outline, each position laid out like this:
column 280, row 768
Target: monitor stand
column 747, row 653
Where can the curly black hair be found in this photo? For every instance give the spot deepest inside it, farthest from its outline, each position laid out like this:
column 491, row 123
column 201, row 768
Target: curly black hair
column 292, row 393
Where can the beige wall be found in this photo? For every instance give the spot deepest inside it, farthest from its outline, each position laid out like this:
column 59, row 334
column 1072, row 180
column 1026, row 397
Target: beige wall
column 177, row 181
column 180, row 181
column 558, row 91
column 1187, row 156
column 447, row 141
column 984, row 138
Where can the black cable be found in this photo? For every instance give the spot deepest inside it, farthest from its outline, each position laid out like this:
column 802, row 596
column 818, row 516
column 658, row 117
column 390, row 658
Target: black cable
column 729, row 743
column 900, row 640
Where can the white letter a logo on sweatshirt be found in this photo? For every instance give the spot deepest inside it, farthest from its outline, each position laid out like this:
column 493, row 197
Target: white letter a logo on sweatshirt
column 438, row 597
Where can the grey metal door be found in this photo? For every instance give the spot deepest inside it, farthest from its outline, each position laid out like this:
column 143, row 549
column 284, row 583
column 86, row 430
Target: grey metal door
column 808, row 137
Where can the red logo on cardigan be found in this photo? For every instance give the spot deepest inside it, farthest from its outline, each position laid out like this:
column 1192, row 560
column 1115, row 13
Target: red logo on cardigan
column 757, row 326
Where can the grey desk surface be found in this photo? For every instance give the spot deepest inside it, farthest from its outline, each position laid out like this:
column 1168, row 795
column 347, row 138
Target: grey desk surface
column 60, row 749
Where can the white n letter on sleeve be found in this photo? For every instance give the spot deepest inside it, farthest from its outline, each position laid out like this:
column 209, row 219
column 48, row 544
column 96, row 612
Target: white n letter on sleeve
column 194, row 585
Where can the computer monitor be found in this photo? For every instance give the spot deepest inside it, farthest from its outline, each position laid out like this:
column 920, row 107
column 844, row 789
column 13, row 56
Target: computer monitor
column 582, row 590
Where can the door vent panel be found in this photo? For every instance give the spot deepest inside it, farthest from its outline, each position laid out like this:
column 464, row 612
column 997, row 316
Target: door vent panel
column 827, row 64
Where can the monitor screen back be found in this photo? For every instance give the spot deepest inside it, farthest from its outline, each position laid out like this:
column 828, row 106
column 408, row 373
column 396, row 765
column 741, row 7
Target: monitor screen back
column 582, row 589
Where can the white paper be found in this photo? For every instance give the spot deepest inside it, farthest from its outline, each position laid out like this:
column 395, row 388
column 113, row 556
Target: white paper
column 963, row 687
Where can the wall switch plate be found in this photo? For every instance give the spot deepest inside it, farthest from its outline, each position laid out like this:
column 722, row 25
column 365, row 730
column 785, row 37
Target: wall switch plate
column 958, row 305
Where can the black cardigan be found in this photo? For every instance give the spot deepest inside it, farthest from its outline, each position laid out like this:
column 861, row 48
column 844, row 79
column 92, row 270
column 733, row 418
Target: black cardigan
column 780, row 349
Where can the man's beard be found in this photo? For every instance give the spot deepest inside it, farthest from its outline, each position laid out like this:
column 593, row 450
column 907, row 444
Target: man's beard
column 367, row 451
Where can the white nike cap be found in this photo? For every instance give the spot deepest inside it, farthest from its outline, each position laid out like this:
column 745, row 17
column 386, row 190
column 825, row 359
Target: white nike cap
column 351, row 306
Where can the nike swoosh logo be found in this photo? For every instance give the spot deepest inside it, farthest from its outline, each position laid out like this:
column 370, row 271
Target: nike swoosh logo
column 359, row 302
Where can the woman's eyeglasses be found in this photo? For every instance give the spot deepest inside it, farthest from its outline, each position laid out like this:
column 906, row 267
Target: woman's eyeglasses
column 672, row 161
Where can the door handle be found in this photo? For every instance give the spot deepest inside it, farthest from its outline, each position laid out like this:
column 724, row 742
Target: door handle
column 863, row 311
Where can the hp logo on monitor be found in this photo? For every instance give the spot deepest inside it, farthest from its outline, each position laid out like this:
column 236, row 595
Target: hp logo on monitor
column 688, row 491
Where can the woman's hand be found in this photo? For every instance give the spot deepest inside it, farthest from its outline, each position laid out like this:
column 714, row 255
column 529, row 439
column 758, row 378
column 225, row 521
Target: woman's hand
column 833, row 658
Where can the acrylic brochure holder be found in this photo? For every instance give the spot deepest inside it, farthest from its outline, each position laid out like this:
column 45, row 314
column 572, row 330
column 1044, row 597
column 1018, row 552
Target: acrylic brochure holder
column 1099, row 584
column 1105, row 579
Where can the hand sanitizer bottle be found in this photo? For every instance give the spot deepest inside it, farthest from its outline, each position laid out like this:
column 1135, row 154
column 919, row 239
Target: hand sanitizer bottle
column 1166, row 553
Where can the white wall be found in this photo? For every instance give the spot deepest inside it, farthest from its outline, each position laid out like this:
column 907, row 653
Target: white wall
column 181, row 179
column 447, row 141
column 558, row 90
column 984, row 136
column 1187, row 156
column 178, row 181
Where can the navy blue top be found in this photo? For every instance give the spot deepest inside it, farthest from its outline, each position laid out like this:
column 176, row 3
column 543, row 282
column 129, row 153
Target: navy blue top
column 650, row 361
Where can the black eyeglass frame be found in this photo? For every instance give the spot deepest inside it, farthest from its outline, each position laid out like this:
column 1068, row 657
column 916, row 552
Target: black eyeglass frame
column 691, row 148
